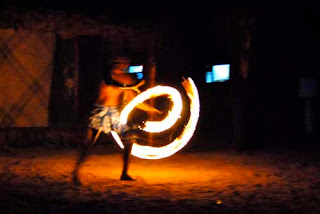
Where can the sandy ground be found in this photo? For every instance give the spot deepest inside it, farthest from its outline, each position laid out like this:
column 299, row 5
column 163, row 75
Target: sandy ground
column 38, row 180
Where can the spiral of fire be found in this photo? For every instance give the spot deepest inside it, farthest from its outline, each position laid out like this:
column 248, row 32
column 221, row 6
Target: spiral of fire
column 150, row 152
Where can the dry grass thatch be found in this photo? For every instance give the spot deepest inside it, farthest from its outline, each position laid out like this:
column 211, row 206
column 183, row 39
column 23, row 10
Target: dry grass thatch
column 69, row 24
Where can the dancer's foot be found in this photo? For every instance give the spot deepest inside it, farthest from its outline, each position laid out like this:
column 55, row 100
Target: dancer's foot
column 126, row 177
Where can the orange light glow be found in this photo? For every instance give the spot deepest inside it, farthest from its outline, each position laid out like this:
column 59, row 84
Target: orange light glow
column 169, row 120
column 149, row 152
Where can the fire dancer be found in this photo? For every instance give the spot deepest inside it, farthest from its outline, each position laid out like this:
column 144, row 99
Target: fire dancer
column 113, row 96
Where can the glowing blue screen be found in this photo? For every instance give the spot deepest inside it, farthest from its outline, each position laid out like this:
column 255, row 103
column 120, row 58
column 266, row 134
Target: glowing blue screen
column 137, row 69
column 219, row 73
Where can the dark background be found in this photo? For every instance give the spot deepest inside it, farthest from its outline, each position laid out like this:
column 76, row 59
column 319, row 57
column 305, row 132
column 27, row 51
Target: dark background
column 261, row 110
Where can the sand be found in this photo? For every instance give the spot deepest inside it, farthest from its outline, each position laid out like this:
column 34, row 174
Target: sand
column 38, row 180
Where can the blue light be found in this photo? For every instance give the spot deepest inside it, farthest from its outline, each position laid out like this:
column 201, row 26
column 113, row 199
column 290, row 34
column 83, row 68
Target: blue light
column 135, row 68
column 140, row 75
column 221, row 73
column 209, row 77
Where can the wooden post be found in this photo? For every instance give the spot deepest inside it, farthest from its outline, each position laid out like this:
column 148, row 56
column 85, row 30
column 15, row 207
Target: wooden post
column 76, row 67
column 152, row 83
column 240, row 84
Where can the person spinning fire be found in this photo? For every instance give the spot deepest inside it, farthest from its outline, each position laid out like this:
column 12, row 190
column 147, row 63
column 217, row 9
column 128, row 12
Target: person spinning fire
column 105, row 117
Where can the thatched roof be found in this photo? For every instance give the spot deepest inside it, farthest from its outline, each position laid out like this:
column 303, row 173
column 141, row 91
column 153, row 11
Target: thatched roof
column 71, row 24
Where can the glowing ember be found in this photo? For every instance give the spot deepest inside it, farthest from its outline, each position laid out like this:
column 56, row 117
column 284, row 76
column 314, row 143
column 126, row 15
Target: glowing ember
column 149, row 152
column 219, row 202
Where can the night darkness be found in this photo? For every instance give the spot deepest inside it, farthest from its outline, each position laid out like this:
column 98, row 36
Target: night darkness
column 256, row 146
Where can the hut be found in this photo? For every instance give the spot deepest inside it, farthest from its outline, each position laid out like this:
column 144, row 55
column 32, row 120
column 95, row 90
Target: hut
column 50, row 65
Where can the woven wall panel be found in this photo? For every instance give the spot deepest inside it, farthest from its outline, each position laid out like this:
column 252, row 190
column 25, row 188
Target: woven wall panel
column 26, row 62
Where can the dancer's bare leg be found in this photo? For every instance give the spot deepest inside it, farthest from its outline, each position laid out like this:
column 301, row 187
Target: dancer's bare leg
column 92, row 136
column 126, row 161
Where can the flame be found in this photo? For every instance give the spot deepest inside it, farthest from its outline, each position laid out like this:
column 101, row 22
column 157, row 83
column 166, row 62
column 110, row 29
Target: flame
column 149, row 152
column 168, row 121
column 117, row 138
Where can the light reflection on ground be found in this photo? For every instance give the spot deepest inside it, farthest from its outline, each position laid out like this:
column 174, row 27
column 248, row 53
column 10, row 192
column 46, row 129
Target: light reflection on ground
column 39, row 180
